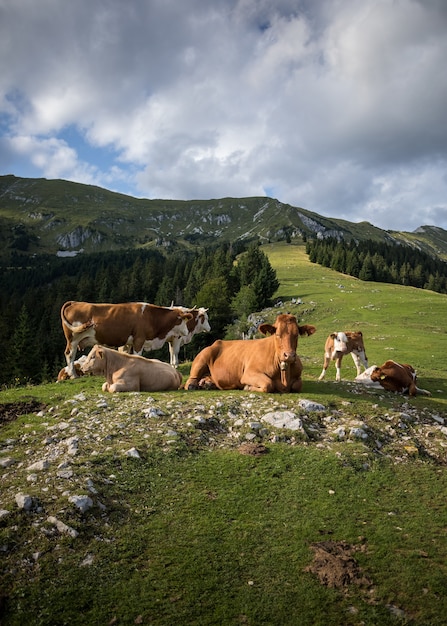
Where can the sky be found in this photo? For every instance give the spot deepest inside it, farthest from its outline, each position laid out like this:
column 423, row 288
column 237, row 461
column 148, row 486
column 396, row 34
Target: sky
column 335, row 106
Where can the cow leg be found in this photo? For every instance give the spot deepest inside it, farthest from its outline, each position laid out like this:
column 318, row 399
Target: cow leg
column 359, row 359
column 327, row 360
column 199, row 370
column 70, row 355
column 423, row 392
column 174, row 349
column 121, row 385
column 260, row 383
column 338, row 368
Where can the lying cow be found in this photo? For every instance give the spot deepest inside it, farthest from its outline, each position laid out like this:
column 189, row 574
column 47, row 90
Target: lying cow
column 339, row 344
column 398, row 377
column 63, row 373
column 270, row 364
column 131, row 323
column 130, row 372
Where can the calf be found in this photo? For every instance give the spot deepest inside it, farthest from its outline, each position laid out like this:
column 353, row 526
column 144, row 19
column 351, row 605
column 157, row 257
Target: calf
column 130, row 372
column 397, row 377
column 339, row 344
column 63, row 373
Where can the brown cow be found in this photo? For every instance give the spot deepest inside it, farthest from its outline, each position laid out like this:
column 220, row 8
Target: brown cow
column 131, row 323
column 270, row 364
column 130, row 372
column 398, row 377
column 339, row 344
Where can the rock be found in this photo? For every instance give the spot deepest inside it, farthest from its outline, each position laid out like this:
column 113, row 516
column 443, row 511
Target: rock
column 83, row 503
column 6, row 462
column 358, row 433
column 24, row 501
column 133, row 452
column 62, row 528
column 39, row 466
column 308, row 405
column 4, row 513
column 284, row 419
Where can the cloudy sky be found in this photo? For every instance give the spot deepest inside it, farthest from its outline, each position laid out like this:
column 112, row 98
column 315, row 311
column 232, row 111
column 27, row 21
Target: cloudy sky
column 336, row 106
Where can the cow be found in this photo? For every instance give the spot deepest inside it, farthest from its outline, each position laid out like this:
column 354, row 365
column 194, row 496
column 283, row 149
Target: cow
column 339, row 344
column 131, row 323
column 130, row 372
column 198, row 324
column 269, row 365
column 63, row 373
column 398, row 377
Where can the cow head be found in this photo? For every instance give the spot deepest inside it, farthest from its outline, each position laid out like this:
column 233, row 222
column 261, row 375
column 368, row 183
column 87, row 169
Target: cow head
column 203, row 324
column 181, row 329
column 94, row 363
column 286, row 332
column 340, row 342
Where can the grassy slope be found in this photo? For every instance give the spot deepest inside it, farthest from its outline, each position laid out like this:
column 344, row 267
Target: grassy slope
column 400, row 323
column 215, row 537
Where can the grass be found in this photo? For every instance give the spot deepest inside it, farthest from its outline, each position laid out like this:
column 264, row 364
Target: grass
column 193, row 532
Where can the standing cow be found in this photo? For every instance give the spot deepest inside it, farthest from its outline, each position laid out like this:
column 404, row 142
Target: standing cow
column 269, row 365
column 130, row 372
column 339, row 344
column 198, row 324
column 131, row 323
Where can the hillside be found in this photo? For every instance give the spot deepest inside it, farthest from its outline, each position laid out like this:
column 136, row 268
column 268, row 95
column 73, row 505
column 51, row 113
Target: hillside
column 202, row 507
column 60, row 217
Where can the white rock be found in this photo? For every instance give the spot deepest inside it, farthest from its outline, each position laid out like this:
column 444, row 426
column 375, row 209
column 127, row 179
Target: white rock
column 358, row 433
column 83, row 503
column 133, row 452
column 6, row 462
column 4, row 513
column 62, row 528
column 284, row 419
column 38, row 466
column 308, row 405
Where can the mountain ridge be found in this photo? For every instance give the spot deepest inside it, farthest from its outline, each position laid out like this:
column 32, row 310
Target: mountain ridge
column 41, row 216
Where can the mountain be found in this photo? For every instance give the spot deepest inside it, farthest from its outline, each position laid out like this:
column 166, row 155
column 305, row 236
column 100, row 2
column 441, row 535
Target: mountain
column 65, row 218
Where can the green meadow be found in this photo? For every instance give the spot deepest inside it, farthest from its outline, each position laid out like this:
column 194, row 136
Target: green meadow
column 313, row 530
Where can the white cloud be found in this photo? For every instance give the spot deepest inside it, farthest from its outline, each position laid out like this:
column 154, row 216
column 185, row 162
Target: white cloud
column 334, row 106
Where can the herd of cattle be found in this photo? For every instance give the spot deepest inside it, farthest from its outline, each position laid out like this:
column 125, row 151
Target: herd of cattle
column 270, row 364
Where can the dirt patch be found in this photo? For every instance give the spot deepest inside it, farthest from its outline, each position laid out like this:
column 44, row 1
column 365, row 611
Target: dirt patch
column 335, row 566
column 11, row 411
column 253, row 449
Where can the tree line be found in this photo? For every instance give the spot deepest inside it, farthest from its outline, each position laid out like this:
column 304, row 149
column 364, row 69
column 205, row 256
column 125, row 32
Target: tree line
column 381, row 262
column 231, row 280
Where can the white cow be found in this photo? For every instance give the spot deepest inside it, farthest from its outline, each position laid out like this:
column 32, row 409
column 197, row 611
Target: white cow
column 130, row 372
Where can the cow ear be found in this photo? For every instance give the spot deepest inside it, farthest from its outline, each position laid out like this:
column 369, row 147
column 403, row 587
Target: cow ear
column 267, row 329
column 100, row 353
column 333, row 335
column 383, row 377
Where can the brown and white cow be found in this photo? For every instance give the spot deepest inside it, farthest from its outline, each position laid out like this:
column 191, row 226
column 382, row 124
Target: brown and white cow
column 339, row 344
column 131, row 323
column 198, row 324
column 130, row 372
column 270, row 364
column 398, row 377
column 63, row 373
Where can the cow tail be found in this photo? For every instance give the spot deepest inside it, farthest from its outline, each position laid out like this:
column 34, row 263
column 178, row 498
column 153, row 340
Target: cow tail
column 74, row 329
